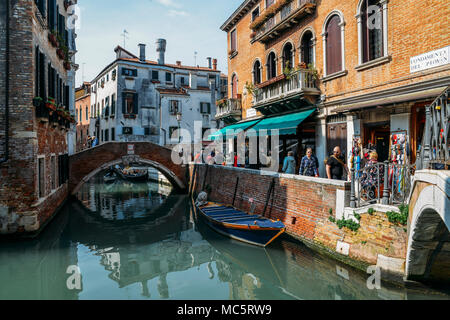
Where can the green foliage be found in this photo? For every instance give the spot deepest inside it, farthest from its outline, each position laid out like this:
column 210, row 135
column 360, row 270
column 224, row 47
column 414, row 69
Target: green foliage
column 332, row 219
column 357, row 216
column 363, row 242
column 330, row 211
column 401, row 218
column 350, row 224
column 371, row 211
column 251, row 88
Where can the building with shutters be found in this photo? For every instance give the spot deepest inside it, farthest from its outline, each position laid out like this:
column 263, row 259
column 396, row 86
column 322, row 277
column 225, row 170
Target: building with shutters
column 135, row 99
column 82, row 115
column 367, row 68
column 37, row 70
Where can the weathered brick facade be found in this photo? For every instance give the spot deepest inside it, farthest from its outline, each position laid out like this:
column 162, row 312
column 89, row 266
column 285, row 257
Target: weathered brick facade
column 303, row 204
column 22, row 207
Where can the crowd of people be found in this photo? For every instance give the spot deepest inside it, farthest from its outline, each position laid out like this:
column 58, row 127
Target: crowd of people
column 336, row 168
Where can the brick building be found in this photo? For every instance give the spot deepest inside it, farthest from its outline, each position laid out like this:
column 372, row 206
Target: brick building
column 82, row 115
column 365, row 69
column 36, row 77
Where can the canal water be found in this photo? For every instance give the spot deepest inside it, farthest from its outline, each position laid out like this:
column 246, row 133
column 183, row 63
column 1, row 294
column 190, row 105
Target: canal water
column 142, row 241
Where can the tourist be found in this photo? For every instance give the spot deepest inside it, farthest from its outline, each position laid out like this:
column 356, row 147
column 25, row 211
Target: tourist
column 308, row 165
column 372, row 177
column 289, row 163
column 336, row 165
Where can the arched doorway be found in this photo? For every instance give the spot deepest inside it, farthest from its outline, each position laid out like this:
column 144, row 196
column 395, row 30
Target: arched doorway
column 288, row 56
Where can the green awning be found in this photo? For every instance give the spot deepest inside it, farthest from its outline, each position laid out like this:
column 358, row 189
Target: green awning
column 286, row 124
column 235, row 127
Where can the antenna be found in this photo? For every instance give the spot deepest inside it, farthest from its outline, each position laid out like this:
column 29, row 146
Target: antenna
column 124, row 35
column 195, row 58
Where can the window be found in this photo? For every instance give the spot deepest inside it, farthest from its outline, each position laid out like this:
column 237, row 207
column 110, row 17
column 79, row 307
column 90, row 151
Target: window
column 234, row 87
column 168, row 77
column 129, row 72
column 371, row 15
column 147, row 131
column 333, row 45
column 155, row 75
column 269, row 3
column 53, row 170
column 257, row 72
column 113, row 134
column 113, row 104
column 205, row 107
column 288, row 56
column 63, row 168
column 130, row 103
column 173, row 133
column 182, row 80
column 106, row 135
column 51, row 17
column 41, row 177
column 233, row 40
column 271, row 66
column 307, row 49
column 102, row 137
column 40, row 90
column 174, row 107
column 255, row 14
column 113, row 75
column 127, row 130
column 87, row 113
column 41, row 5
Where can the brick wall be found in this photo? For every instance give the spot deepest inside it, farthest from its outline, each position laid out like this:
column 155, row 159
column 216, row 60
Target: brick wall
column 303, row 204
column 414, row 27
column 21, row 209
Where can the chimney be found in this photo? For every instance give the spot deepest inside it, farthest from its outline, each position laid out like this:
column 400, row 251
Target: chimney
column 179, row 63
column 141, row 52
column 161, row 48
column 209, row 62
column 215, row 64
column 193, row 80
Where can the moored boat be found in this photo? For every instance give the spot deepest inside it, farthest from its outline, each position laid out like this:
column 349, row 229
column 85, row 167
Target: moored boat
column 236, row 224
column 132, row 174
column 110, row 177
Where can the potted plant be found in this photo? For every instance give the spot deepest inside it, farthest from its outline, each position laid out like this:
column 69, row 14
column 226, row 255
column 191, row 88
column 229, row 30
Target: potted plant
column 52, row 37
column 302, row 65
column 251, row 88
column 67, row 65
column 50, row 104
column 37, row 102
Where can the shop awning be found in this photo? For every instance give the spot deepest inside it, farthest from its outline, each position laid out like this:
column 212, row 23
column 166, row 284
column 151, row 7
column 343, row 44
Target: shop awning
column 241, row 126
column 285, row 124
column 424, row 94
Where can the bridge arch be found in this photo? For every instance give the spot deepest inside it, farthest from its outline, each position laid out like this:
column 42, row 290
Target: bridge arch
column 86, row 164
column 429, row 237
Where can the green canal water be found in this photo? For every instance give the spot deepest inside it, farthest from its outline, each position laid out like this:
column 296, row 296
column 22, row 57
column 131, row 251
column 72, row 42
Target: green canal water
column 141, row 241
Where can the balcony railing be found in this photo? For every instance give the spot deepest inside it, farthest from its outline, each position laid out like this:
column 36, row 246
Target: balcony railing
column 290, row 14
column 229, row 108
column 298, row 82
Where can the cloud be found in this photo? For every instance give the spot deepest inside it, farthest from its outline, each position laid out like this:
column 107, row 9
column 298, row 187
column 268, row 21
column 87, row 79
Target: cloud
column 177, row 13
column 169, row 3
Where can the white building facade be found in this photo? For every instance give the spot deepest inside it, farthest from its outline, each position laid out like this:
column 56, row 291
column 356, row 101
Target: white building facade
column 134, row 99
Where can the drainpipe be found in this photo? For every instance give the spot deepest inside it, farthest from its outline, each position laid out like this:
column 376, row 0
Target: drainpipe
column 6, row 156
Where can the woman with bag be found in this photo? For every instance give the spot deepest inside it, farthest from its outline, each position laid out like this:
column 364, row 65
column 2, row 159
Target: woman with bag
column 308, row 166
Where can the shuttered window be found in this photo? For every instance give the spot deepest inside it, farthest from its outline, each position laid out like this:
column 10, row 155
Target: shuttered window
column 334, row 45
column 372, row 30
column 130, row 103
column 205, row 107
column 233, row 40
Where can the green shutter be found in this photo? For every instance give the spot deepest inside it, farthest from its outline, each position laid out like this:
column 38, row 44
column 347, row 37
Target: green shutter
column 135, row 104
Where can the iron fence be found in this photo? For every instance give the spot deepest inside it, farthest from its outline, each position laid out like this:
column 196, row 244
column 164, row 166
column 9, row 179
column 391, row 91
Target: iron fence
column 385, row 183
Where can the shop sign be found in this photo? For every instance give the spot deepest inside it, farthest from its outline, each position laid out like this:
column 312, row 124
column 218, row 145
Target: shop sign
column 432, row 59
column 131, row 149
column 251, row 112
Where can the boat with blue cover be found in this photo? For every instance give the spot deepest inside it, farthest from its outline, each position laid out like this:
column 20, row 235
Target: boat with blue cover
column 239, row 225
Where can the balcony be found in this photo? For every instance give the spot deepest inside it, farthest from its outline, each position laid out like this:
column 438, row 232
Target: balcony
column 230, row 111
column 287, row 16
column 286, row 92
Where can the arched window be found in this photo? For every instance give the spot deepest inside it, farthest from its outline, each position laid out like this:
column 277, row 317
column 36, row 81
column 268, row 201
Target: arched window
column 271, row 66
column 307, row 48
column 234, row 88
column 288, row 56
column 371, row 30
column 333, row 45
column 257, row 72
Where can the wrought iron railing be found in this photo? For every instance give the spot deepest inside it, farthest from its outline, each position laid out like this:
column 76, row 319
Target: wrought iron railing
column 435, row 149
column 230, row 106
column 295, row 82
column 385, row 183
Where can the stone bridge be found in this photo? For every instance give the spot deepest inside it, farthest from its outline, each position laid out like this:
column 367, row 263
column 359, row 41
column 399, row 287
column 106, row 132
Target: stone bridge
column 86, row 164
column 428, row 255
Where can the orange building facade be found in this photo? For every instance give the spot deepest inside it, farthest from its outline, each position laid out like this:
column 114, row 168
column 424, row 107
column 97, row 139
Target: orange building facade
column 368, row 68
column 82, row 109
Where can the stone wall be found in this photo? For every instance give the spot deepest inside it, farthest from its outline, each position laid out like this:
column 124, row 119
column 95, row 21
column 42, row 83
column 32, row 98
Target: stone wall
column 303, row 204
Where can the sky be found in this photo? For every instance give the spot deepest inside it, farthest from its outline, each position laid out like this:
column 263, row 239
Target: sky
column 189, row 26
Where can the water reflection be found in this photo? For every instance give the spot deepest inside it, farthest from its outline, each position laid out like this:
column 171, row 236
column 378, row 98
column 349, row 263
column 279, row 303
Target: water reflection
column 140, row 244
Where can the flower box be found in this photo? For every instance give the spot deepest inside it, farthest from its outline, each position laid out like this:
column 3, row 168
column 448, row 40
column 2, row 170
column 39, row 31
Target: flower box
column 129, row 116
column 67, row 65
column 60, row 53
column 52, row 39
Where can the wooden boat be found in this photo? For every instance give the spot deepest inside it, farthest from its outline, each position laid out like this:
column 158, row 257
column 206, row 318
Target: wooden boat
column 141, row 175
column 233, row 223
column 110, row 177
